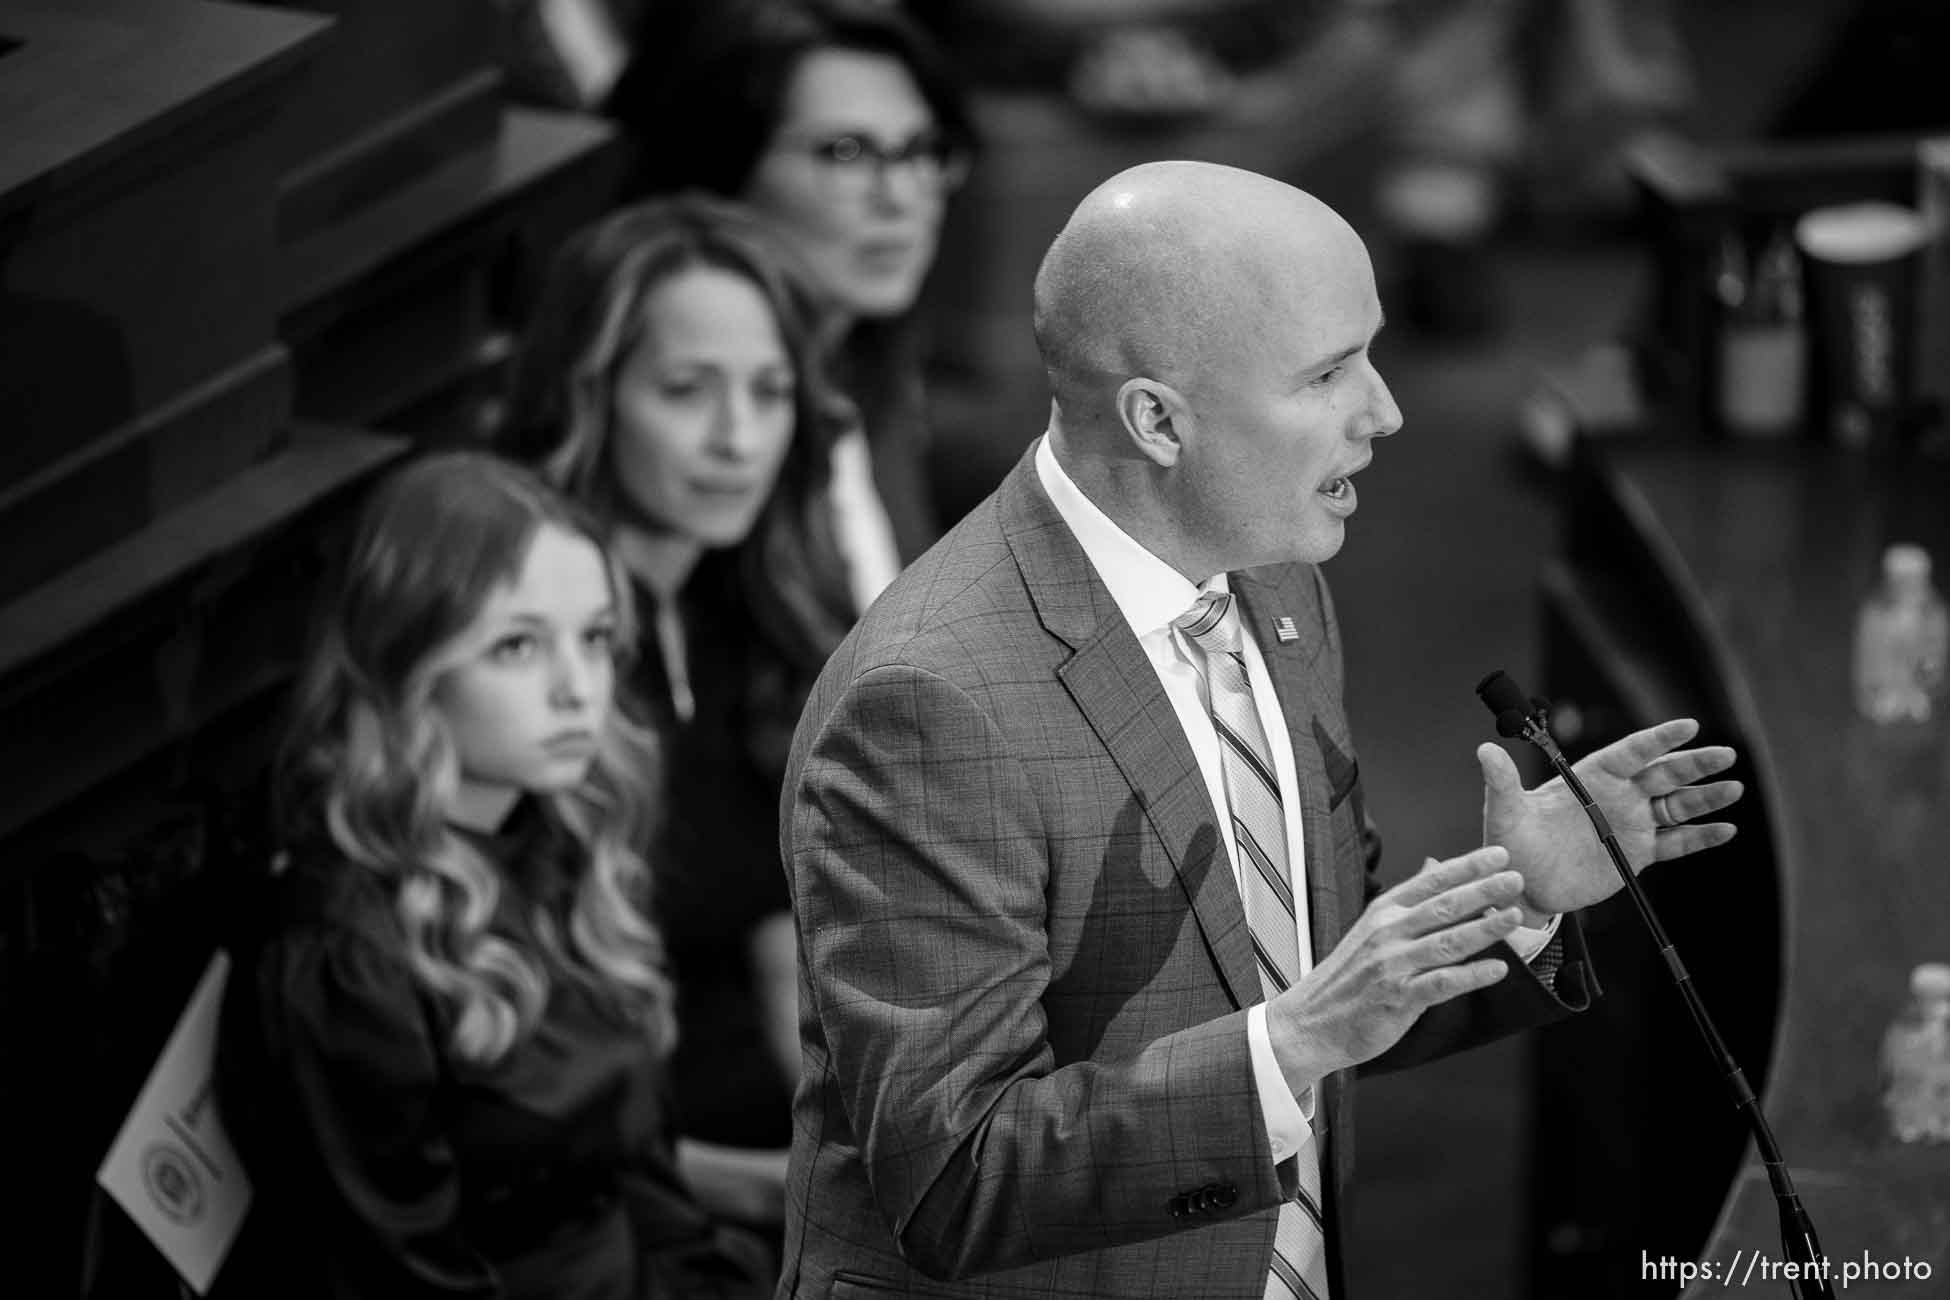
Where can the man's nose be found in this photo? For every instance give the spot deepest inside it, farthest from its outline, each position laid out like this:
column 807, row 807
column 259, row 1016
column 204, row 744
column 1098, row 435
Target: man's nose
column 1387, row 415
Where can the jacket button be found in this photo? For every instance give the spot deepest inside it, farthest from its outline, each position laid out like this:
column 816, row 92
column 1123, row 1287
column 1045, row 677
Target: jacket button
column 1225, row 1196
column 1178, row 1206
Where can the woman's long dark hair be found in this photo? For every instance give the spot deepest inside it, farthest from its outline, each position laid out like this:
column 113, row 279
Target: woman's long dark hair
column 699, row 104
column 706, row 89
column 561, row 413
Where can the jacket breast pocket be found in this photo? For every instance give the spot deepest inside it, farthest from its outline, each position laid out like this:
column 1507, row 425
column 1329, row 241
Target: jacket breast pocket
column 847, row 1284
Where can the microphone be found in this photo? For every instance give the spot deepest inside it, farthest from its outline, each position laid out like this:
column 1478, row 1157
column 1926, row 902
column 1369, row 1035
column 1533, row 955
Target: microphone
column 1520, row 715
column 1504, row 698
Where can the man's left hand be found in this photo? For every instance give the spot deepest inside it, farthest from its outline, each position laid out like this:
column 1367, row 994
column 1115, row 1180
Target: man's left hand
column 1551, row 840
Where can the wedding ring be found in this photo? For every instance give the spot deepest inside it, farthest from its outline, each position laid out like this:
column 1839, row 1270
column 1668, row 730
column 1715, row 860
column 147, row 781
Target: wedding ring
column 1660, row 814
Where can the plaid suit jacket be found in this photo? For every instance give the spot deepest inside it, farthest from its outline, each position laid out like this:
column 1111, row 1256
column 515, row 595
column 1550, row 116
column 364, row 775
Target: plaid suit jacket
column 1024, row 964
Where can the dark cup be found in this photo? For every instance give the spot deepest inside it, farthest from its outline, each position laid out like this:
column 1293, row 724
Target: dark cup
column 1861, row 262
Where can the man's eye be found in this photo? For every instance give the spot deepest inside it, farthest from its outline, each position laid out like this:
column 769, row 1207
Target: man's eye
column 1326, row 377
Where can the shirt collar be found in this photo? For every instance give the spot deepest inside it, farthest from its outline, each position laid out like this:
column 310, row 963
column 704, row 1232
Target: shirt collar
column 1149, row 592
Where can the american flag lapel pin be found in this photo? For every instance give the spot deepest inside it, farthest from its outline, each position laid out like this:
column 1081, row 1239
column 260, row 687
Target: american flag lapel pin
column 1283, row 628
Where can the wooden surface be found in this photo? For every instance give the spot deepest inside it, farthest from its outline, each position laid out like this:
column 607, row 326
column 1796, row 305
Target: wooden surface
column 138, row 185
column 168, row 61
column 377, row 69
column 391, row 307
column 134, row 649
column 1768, row 552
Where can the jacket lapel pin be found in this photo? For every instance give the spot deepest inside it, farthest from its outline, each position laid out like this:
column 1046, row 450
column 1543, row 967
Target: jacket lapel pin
column 1283, row 629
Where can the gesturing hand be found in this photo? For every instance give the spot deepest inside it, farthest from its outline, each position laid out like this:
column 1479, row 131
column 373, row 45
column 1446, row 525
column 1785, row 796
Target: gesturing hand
column 1551, row 843
column 1400, row 958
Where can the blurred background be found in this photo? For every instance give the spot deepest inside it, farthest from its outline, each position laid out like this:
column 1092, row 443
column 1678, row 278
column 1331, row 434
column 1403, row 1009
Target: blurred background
column 253, row 253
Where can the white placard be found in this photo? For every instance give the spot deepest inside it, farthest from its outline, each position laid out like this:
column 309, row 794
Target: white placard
column 172, row 1166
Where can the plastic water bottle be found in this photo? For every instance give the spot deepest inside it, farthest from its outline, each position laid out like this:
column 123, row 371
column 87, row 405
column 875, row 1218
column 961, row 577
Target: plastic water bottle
column 1916, row 1059
column 1902, row 636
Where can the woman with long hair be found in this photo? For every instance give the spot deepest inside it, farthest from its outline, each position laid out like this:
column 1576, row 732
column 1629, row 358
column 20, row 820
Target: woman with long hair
column 444, row 1048
column 672, row 380
column 845, row 126
column 622, row 383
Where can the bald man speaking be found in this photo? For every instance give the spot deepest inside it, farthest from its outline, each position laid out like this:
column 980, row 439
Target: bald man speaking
column 1090, row 938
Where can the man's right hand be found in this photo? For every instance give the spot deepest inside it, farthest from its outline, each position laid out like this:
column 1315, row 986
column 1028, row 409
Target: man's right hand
column 1404, row 955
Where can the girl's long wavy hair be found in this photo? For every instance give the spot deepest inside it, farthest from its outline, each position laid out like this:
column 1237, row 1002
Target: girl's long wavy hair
column 368, row 762
column 561, row 410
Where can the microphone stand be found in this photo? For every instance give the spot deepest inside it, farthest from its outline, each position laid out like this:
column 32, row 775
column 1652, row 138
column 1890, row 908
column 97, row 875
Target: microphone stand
column 1798, row 1240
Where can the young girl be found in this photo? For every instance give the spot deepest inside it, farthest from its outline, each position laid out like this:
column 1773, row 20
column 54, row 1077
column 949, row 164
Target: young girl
column 671, row 379
column 443, row 1053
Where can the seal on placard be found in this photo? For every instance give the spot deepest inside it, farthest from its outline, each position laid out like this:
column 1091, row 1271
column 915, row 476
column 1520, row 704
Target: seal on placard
column 173, row 1183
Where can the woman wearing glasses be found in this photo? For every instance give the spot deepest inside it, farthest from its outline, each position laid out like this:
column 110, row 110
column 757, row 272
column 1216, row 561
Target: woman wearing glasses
column 671, row 382
column 840, row 122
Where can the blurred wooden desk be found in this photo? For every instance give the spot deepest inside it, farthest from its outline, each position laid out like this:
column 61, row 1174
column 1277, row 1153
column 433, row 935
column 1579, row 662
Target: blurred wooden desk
column 1749, row 563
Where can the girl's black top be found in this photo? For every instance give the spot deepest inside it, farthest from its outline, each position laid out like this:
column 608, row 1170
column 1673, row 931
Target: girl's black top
column 385, row 1166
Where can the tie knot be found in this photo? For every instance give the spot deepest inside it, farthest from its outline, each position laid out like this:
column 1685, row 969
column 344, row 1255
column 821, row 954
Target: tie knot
column 1212, row 623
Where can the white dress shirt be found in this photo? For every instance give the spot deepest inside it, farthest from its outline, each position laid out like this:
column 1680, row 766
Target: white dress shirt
column 1150, row 594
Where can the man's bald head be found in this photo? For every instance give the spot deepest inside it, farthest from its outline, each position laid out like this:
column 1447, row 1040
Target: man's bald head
column 1167, row 269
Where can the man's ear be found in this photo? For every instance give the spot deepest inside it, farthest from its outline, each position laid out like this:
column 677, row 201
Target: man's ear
column 1156, row 418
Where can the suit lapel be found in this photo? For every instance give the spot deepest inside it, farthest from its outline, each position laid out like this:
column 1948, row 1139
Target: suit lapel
column 1115, row 686
column 1118, row 692
column 1305, row 702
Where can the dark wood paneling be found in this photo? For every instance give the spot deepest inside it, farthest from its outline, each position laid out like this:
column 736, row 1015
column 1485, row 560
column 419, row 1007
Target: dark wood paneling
column 138, row 258
column 383, row 61
column 167, row 456
column 210, row 215
column 175, row 68
column 396, row 302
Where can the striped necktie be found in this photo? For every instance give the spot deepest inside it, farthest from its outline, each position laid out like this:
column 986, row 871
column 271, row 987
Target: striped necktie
column 1299, row 1270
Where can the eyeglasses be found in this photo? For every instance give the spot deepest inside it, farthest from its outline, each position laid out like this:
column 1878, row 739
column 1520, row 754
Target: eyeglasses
column 856, row 162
